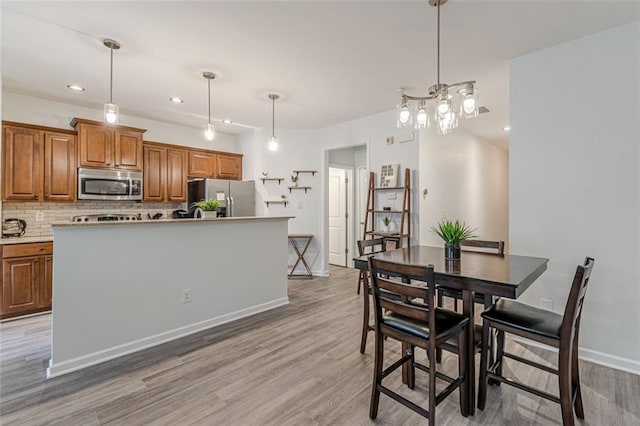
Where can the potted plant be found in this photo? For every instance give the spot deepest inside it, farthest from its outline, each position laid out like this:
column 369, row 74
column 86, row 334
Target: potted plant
column 386, row 222
column 294, row 180
column 209, row 207
column 452, row 232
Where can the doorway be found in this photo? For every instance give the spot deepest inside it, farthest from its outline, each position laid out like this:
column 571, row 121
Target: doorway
column 346, row 168
column 338, row 215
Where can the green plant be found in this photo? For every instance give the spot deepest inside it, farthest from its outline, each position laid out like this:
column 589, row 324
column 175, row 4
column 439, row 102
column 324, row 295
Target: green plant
column 209, row 205
column 284, row 197
column 452, row 232
column 294, row 179
column 386, row 221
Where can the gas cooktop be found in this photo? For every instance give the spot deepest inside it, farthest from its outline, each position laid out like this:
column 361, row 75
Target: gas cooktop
column 112, row 217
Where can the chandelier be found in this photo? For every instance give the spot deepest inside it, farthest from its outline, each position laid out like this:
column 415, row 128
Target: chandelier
column 445, row 102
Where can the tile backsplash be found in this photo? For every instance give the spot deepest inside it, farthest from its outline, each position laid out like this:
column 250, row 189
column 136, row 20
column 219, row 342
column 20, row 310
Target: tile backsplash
column 63, row 212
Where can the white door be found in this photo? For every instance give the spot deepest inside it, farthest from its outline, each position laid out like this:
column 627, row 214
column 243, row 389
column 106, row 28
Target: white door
column 361, row 197
column 337, row 217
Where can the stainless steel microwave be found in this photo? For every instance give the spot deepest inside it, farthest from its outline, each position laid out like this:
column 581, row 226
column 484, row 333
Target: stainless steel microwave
column 102, row 184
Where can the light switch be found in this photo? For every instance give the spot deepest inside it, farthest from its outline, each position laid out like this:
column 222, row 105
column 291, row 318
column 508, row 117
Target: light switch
column 300, row 205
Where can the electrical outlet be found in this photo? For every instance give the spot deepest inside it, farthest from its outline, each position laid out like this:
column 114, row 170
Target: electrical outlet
column 39, row 216
column 300, row 205
column 389, row 140
column 186, row 295
column 546, row 304
column 443, row 215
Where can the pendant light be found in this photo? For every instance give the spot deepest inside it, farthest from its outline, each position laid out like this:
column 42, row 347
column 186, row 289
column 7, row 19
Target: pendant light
column 111, row 109
column 440, row 107
column 209, row 130
column 273, row 140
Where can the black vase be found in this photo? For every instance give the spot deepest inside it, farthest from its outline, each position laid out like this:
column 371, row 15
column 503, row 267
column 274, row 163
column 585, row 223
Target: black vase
column 452, row 251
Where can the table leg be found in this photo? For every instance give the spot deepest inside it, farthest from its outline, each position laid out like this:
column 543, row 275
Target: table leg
column 468, row 311
column 304, row 262
column 294, row 244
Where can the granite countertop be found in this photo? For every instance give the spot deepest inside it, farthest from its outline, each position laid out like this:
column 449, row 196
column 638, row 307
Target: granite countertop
column 162, row 221
column 24, row 240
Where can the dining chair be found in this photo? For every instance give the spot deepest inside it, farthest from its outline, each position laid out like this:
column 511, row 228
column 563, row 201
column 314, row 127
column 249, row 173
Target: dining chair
column 542, row 326
column 366, row 247
column 414, row 324
column 480, row 246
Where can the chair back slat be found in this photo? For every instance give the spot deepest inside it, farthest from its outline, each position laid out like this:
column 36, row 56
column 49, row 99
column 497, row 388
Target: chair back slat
column 484, row 246
column 407, row 310
column 396, row 296
column 575, row 301
column 402, row 288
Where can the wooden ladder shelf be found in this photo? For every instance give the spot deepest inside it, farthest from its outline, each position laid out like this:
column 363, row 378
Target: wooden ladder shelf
column 404, row 233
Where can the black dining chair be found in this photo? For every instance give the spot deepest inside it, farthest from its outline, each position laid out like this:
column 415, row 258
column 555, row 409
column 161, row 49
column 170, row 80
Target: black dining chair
column 368, row 247
column 399, row 316
column 479, row 246
column 538, row 325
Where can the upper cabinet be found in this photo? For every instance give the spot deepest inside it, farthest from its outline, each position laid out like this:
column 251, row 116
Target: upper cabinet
column 229, row 166
column 202, row 164
column 107, row 146
column 39, row 163
column 165, row 173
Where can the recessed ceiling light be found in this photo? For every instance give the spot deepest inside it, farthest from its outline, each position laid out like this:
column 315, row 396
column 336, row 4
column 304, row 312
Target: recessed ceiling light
column 506, row 128
column 75, row 87
column 227, row 121
column 176, row 100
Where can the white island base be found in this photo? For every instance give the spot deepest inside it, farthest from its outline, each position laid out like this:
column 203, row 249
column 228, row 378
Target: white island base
column 122, row 287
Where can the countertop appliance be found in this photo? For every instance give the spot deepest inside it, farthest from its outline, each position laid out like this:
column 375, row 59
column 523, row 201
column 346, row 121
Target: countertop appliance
column 12, row 227
column 108, row 217
column 104, row 184
column 237, row 198
column 180, row 214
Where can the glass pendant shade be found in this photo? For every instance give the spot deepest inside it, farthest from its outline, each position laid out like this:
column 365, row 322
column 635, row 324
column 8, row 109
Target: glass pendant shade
column 111, row 113
column 422, row 116
column 447, row 122
column 469, row 104
column 209, row 132
column 404, row 116
column 273, row 143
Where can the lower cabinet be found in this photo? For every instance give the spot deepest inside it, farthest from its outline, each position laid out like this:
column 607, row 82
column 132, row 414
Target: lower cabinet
column 26, row 278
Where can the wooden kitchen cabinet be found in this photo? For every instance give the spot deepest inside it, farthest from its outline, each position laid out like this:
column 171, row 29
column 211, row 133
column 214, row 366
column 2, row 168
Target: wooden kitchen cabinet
column 176, row 175
column 39, row 163
column 60, row 177
column 108, row 146
column 165, row 173
column 229, row 166
column 22, row 151
column 154, row 176
column 202, row 164
column 26, row 278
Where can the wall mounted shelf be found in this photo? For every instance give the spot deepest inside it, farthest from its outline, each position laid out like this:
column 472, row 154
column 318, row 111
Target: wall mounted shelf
column 299, row 187
column 312, row 172
column 277, row 202
column 272, row 179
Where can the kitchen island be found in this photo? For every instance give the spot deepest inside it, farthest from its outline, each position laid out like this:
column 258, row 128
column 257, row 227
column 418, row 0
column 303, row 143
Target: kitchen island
column 122, row 287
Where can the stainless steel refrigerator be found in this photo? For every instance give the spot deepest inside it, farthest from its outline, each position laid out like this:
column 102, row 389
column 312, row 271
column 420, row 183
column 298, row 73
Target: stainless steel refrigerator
column 237, row 198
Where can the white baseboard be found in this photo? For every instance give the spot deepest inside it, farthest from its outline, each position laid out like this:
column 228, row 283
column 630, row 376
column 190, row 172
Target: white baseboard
column 607, row 360
column 64, row 367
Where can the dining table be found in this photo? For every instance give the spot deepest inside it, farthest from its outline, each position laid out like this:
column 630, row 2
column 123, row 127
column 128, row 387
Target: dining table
column 489, row 274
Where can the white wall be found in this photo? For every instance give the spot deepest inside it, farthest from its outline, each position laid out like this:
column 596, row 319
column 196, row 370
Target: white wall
column 33, row 110
column 309, row 149
column 466, row 178
column 574, row 182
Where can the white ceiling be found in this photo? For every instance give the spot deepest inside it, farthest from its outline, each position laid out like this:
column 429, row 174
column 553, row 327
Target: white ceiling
column 332, row 61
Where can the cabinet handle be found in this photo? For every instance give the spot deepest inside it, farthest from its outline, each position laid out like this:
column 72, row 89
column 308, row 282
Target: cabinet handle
column 35, row 261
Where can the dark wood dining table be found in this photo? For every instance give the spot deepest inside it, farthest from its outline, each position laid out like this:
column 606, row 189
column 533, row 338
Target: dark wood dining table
column 489, row 274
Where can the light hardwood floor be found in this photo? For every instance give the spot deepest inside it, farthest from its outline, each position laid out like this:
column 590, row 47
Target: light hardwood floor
column 296, row 365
